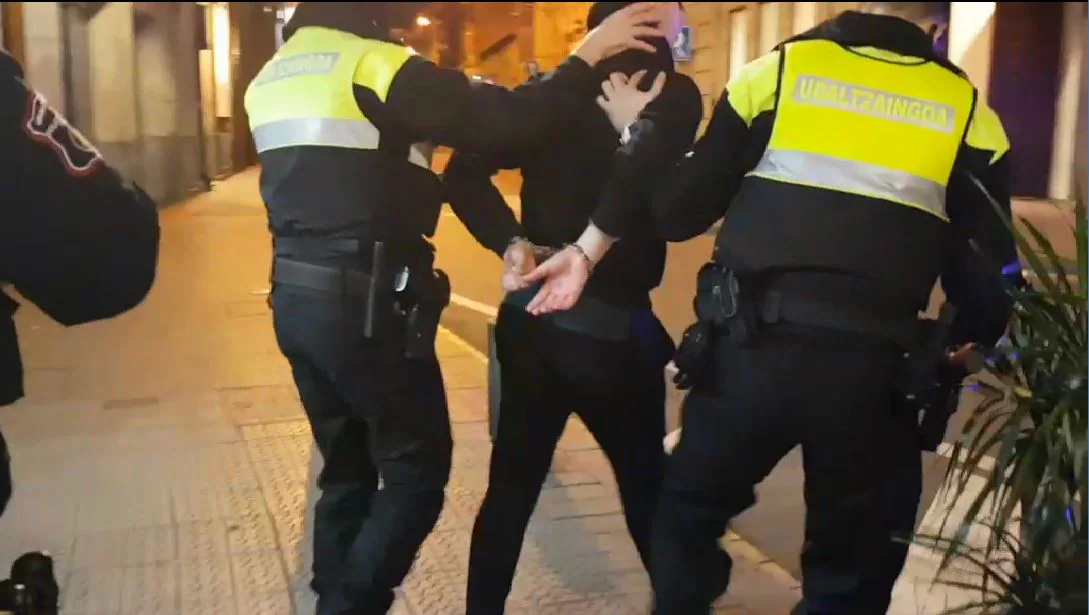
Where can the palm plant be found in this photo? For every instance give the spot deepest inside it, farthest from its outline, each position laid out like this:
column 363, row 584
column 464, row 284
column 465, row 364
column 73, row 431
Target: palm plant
column 1032, row 422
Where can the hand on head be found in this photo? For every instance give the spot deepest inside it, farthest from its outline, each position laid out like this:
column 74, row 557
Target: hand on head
column 623, row 101
column 627, row 29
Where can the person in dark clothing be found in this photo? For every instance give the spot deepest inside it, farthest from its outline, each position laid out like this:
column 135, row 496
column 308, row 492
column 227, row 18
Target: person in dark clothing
column 344, row 119
column 603, row 360
column 77, row 239
column 847, row 160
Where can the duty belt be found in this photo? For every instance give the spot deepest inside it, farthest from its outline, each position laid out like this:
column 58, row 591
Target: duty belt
column 302, row 245
column 333, row 280
column 590, row 316
column 740, row 303
column 387, row 309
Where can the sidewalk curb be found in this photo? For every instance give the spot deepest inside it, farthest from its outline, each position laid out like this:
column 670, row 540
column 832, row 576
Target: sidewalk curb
column 738, row 545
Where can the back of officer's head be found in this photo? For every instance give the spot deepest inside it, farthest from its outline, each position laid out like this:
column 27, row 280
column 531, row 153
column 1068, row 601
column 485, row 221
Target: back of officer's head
column 633, row 60
column 917, row 12
column 927, row 15
column 364, row 19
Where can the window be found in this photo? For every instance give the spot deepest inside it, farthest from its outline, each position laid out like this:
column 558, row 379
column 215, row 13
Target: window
column 739, row 41
column 805, row 16
column 769, row 26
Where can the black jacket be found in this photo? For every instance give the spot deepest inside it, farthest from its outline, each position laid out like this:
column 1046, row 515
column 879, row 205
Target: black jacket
column 698, row 188
column 442, row 106
column 76, row 238
column 563, row 180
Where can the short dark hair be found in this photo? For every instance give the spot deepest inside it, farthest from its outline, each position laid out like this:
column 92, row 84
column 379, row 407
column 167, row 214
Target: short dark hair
column 910, row 10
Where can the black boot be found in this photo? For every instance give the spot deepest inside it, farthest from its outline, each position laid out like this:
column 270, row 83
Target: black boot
column 15, row 598
column 35, row 571
column 7, row 595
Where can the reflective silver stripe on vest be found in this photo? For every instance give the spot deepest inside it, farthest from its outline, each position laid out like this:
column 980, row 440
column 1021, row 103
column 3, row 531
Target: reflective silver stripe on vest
column 320, row 131
column 824, row 171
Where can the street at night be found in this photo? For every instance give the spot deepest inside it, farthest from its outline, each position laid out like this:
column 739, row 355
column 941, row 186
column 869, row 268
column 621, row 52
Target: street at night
column 230, row 383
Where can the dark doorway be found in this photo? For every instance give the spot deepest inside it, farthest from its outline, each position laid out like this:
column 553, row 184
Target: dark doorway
column 1024, row 84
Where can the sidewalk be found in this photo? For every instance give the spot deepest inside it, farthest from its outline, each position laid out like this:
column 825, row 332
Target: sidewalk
column 164, row 459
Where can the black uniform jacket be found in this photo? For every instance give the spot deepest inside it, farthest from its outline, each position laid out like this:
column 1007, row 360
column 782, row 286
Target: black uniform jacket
column 76, row 238
column 427, row 103
column 697, row 189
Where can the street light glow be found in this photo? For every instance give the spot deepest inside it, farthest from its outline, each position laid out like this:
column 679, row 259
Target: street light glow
column 423, row 21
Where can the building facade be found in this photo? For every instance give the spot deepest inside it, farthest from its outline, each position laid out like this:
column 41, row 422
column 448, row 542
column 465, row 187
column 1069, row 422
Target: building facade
column 156, row 86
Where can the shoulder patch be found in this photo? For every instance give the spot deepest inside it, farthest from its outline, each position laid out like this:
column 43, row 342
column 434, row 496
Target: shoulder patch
column 46, row 126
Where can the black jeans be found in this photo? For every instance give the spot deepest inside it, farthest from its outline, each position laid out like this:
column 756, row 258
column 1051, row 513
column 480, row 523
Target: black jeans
column 618, row 391
column 372, row 413
column 833, row 399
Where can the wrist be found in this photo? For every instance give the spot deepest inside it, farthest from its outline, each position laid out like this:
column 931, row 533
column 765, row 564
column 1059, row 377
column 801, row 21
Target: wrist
column 581, row 253
column 502, row 248
column 587, row 54
column 594, row 243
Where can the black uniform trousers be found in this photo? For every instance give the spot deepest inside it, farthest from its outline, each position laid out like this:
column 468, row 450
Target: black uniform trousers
column 373, row 413
column 831, row 395
column 903, row 490
column 616, row 388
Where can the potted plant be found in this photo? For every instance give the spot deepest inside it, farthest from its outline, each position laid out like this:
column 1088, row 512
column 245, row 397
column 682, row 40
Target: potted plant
column 1027, row 439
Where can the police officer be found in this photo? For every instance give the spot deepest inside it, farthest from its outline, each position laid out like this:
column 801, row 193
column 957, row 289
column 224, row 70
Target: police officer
column 604, row 359
column 76, row 239
column 847, row 160
column 343, row 118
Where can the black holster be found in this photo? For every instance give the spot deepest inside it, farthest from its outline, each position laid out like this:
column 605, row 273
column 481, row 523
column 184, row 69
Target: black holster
column 720, row 310
column 940, row 405
column 430, row 294
column 396, row 287
column 380, row 308
column 695, row 357
column 928, row 387
column 726, row 303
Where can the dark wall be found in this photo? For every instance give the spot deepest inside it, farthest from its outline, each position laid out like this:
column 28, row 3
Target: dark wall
column 1024, row 84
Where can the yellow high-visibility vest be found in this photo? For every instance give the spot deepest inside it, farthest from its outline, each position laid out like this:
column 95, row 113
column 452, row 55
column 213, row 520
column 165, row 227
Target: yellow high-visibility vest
column 849, row 122
column 304, row 96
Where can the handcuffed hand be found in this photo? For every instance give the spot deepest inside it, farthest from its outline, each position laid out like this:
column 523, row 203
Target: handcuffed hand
column 564, row 275
column 519, row 260
column 623, row 101
column 625, row 29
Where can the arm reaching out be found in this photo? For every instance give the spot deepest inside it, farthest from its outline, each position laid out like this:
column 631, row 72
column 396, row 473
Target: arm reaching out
column 443, row 106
